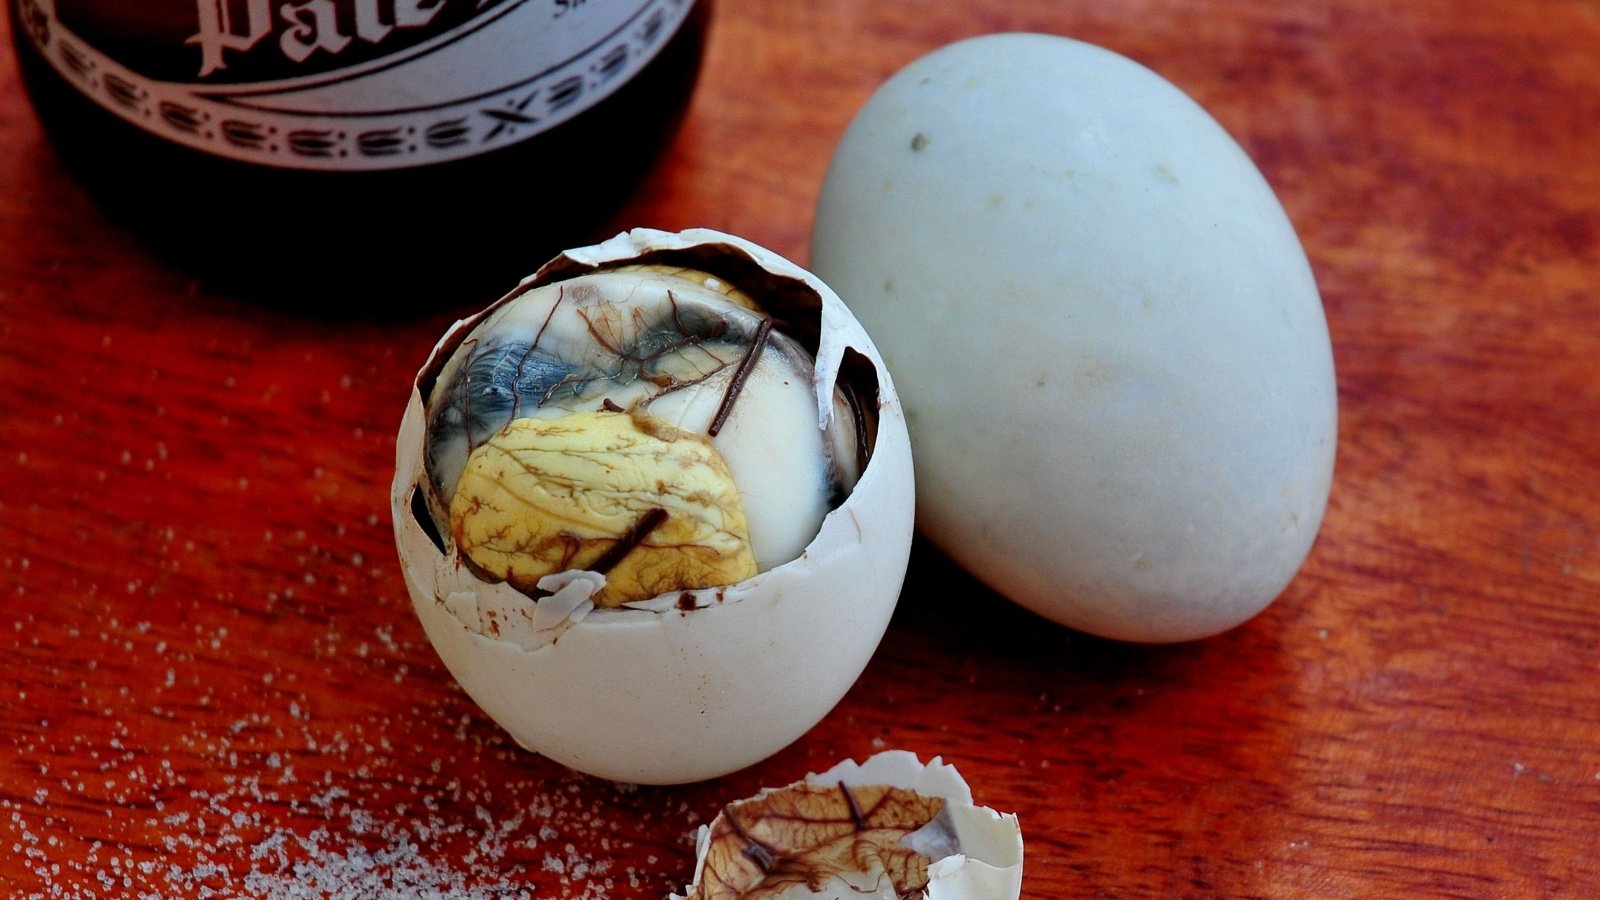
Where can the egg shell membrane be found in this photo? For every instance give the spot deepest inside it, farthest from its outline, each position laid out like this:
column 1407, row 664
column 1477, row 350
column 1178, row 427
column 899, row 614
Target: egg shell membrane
column 879, row 807
column 694, row 685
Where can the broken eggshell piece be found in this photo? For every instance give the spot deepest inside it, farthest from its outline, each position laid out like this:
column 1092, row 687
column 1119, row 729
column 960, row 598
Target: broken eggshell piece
column 889, row 828
column 695, row 683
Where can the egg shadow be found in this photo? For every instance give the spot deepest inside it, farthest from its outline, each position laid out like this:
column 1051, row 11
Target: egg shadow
column 945, row 609
column 1173, row 752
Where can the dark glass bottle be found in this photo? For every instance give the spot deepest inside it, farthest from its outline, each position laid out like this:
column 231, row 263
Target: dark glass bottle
column 360, row 154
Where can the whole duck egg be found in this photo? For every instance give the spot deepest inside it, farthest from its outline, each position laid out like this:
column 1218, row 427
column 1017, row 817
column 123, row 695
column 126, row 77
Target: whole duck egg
column 1107, row 337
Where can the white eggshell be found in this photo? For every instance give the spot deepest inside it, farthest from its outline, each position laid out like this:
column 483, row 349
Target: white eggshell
column 989, row 864
column 1108, row 340
column 663, row 694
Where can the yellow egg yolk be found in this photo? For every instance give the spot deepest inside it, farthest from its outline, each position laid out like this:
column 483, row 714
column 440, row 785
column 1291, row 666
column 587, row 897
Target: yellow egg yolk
column 653, row 506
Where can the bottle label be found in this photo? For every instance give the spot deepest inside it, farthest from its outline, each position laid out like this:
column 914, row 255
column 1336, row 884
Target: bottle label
column 349, row 84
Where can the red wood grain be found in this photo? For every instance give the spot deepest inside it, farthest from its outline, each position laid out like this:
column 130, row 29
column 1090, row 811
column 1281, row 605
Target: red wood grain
column 209, row 671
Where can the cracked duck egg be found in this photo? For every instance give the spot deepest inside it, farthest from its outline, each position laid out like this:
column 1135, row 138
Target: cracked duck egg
column 889, row 828
column 654, row 506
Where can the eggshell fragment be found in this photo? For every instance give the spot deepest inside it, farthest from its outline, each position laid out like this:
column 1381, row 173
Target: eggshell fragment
column 882, row 828
column 1108, row 339
column 687, row 686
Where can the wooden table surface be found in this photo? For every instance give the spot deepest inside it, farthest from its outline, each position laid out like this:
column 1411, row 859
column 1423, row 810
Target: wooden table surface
column 211, row 682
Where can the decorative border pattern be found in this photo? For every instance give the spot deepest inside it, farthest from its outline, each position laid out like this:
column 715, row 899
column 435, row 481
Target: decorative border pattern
column 206, row 120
